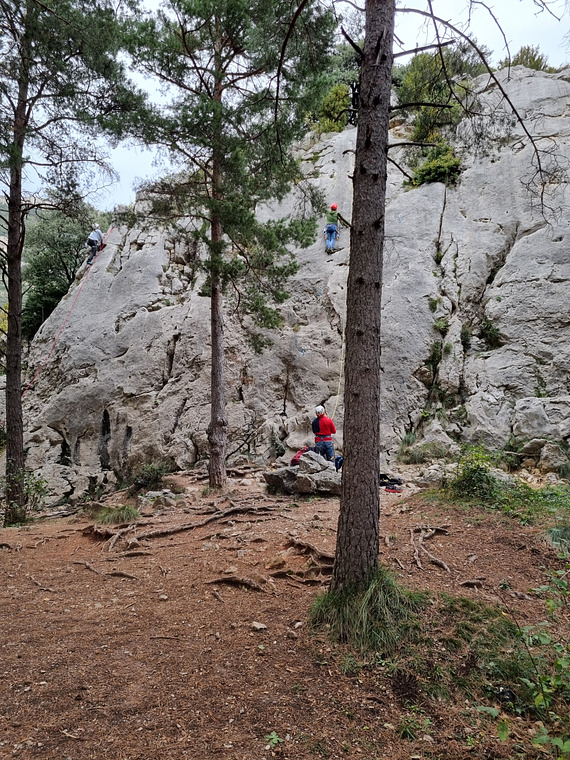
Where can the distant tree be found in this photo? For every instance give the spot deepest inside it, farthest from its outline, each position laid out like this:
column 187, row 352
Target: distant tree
column 434, row 86
column 529, row 56
column 53, row 252
column 242, row 77
column 333, row 113
column 61, row 85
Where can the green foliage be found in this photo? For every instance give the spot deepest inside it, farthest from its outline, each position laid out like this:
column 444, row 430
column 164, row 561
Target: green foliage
column 529, row 56
column 273, row 739
column 433, row 303
column 424, row 452
column 440, row 165
column 410, row 726
column 332, row 115
column 442, row 325
column 465, row 337
column 148, row 476
column 474, row 482
column 490, row 333
column 435, row 355
column 35, row 492
column 378, row 616
column 474, row 478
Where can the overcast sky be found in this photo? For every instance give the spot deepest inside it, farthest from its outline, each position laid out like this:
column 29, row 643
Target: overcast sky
column 521, row 21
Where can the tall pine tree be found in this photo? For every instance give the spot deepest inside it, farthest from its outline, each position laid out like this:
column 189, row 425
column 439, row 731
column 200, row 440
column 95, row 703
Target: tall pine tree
column 61, row 85
column 241, row 76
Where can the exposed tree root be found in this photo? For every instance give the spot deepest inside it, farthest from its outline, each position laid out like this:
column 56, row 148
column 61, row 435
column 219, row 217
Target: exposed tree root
column 424, row 532
column 237, row 580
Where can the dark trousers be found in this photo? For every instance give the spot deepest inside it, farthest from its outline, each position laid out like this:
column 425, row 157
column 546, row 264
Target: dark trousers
column 94, row 245
column 325, row 449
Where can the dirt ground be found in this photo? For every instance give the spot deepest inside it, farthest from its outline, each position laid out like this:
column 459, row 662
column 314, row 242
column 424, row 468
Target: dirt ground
column 144, row 643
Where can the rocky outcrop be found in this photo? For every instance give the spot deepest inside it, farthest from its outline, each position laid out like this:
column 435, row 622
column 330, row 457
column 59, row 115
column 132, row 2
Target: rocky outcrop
column 476, row 322
column 313, row 475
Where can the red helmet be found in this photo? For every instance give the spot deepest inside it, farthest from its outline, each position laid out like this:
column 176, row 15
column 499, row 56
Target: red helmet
column 333, row 207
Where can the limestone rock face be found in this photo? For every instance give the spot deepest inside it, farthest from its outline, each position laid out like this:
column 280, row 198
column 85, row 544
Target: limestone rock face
column 475, row 323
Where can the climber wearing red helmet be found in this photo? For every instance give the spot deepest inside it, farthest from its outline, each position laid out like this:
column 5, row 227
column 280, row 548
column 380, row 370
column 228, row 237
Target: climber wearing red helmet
column 331, row 230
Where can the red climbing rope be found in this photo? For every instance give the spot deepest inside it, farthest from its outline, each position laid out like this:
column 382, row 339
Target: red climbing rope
column 53, row 345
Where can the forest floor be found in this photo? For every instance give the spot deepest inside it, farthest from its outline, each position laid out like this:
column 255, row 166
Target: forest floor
column 187, row 636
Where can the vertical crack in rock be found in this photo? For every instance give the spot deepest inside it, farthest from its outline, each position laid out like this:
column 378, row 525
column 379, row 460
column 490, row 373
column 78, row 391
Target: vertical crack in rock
column 442, row 214
column 126, row 442
column 178, row 415
column 103, row 449
column 169, row 359
column 286, row 390
column 500, row 259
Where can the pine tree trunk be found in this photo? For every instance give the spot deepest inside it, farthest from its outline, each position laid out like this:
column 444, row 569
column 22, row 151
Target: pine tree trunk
column 15, row 461
column 218, row 427
column 357, row 548
column 217, row 430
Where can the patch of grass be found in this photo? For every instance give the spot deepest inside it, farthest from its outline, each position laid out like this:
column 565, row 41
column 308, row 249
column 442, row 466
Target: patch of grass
column 433, row 302
column 442, row 325
column 377, row 617
column 113, row 516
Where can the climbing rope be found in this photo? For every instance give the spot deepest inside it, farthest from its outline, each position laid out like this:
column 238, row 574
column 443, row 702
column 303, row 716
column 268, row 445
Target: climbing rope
column 340, row 373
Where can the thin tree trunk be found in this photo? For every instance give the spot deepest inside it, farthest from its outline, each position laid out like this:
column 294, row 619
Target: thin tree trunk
column 217, row 429
column 15, row 496
column 357, row 548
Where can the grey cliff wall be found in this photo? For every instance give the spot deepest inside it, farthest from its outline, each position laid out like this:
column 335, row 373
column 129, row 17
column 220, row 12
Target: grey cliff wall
column 128, row 378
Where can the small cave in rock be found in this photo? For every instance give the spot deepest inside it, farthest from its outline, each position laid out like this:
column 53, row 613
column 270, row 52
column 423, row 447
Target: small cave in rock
column 65, row 454
column 104, row 441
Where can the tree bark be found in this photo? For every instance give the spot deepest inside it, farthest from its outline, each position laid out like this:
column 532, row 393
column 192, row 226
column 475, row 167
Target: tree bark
column 356, row 557
column 15, row 494
column 217, row 429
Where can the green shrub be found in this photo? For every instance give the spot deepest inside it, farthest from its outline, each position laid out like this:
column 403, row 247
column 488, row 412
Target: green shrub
column 435, row 354
column 474, row 478
column 149, row 476
column 440, row 165
column 490, row 333
column 424, row 452
column 465, row 337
